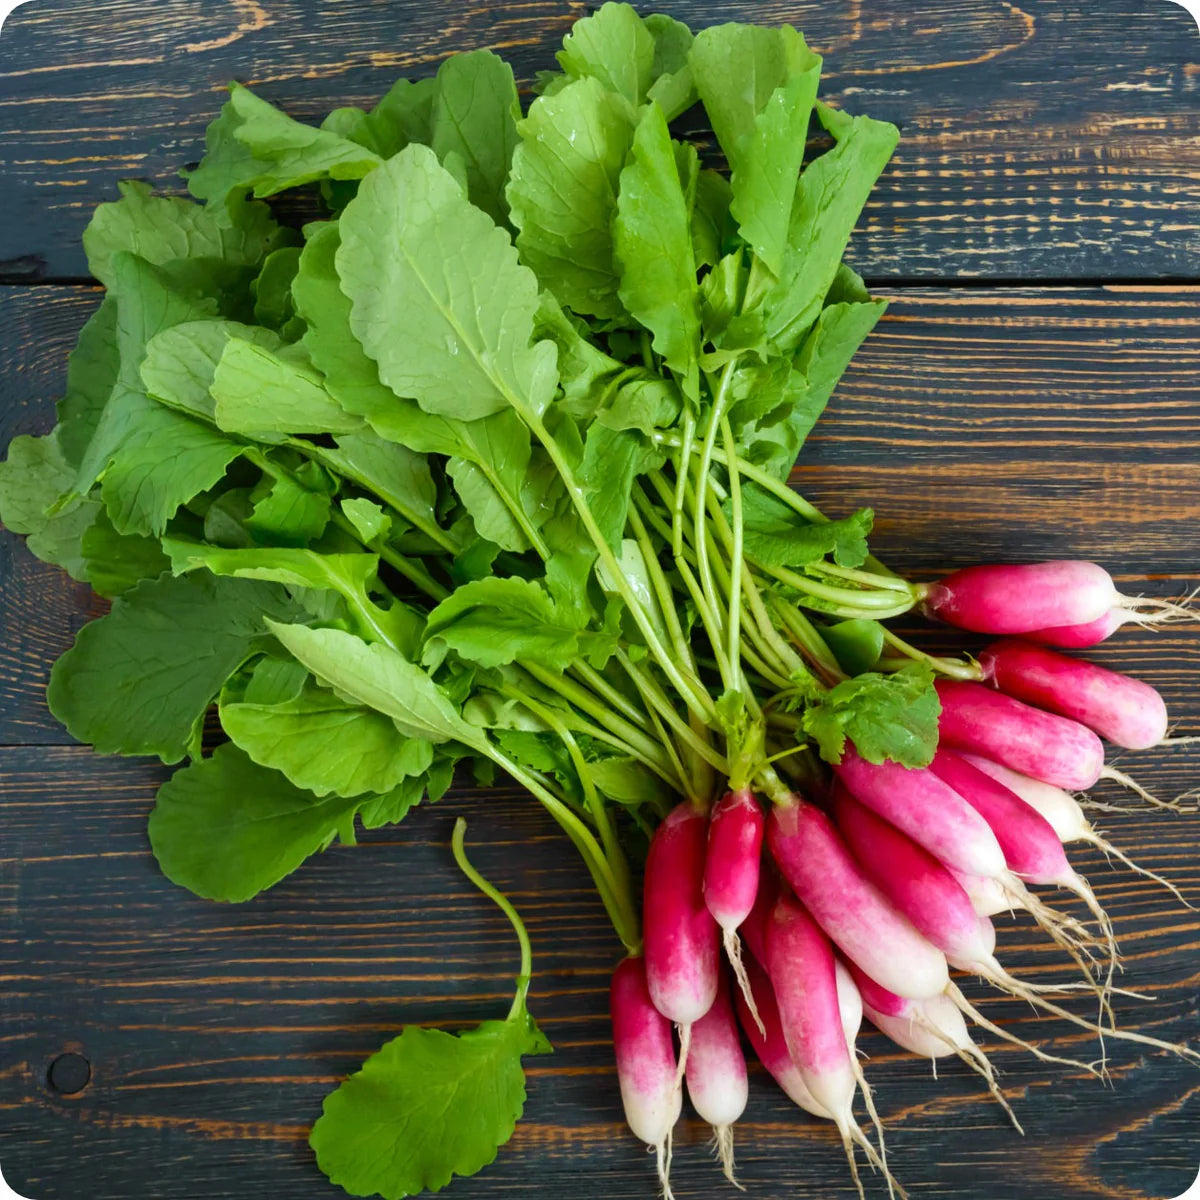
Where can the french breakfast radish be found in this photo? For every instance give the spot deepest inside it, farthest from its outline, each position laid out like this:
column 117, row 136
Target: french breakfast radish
column 906, row 797
column 1006, row 598
column 849, row 907
column 682, row 941
column 716, row 1077
column 982, row 721
column 801, row 966
column 647, row 1070
column 732, row 866
column 1084, row 636
column 1118, row 707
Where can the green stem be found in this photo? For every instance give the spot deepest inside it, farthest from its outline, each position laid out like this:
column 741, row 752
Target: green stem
column 414, row 572
column 502, row 902
column 952, row 668
column 805, row 635
column 687, row 444
column 662, row 588
column 691, row 691
column 735, row 555
column 849, row 599
column 867, row 578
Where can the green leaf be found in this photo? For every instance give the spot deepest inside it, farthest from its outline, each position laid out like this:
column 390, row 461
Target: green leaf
column 378, row 677
column 673, row 88
column 227, row 829
column 776, row 536
column 91, row 374
column 628, row 781
column 324, row 744
column 181, row 362
column 398, row 476
column 475, row 116
column 138, row 680
column 439, row 299
column 252, row 145
column 115, row 562
column 394, row 806
column 347, row 573
column 614, row 47
column 563, row 190
column 290, row 514
column 856, row 644
column 161, row 229
column 32, row 478
column 612, row 460
column 428, row 1106
column 272, row 290
column 257, row 392
column 653, row 242
column 768, row 164
column 369, row 520
column 885, row 716
column 712, row 227
column 831, row 195
column 493, row 622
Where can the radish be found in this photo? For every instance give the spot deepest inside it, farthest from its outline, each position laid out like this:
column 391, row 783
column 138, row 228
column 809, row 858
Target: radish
column 1122, row 709
column 1082, row 637
column 850, row 1002
column 1002, row 598
column 919, row 886
column 769, row 1045
column 906, row 798
column 850, row 908
column 716, row 1074
column 1065, row 816
column 682, row 941
column 732, row 868
column 800, row 964
column 646, row 1066
column 982, row 721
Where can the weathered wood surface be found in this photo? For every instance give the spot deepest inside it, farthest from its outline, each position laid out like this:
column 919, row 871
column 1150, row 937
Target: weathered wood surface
column 1041, row 138
column 1042, row 422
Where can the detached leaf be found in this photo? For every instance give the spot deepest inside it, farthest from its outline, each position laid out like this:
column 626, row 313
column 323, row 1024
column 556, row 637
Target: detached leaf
column 139, row 680
column 325, row 744
column 887, row 717
column 563, row 190
column 439, row 299
column 227, row 829
column 653, row 241
column 778, row 537
column 427, row 1107
column 32, row 479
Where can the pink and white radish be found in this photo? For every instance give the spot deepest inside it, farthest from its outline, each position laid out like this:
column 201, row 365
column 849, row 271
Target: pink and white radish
column 716, row 1074
column 982, row 721
column 646, row 1067
column 801, row 966
column 1082, row 637
column 732, row 868
column 1122, row 709
column 682, row 941
column 1065, row 815
column 849, row 907
column 906, row 797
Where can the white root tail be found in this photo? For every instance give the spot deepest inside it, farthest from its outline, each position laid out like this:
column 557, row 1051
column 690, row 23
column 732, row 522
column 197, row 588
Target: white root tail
column 723, row 1149
column 733, row 952
column 662, row 1154
column 1149, row 611
column 1126, row 781
column 1096, row 838
column 685, row 1042
column 869, row 1100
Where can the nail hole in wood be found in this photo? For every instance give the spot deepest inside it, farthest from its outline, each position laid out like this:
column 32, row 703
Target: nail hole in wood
column 69, row 1074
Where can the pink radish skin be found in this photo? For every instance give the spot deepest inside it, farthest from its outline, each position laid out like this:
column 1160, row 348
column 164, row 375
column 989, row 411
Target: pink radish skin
column 851, row 909
column 682, row 941
column 645, row 1053
column 800, row 964
column 1000, row 598
column 1048, row 747
column 1082, row 637
column 918, row 885
column 770, row 1048
column 731, row 866
column 1060, row 808
column 1031, row 847
column 1122, row 709
column 908, row 798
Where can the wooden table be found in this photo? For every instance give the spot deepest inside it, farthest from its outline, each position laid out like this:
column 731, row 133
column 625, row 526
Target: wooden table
column 1033, row 392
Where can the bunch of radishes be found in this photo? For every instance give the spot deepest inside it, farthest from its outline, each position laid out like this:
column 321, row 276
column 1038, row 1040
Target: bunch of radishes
column 878, row 883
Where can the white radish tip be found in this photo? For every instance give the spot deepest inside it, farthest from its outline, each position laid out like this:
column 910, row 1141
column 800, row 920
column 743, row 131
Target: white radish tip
column 723, row 1148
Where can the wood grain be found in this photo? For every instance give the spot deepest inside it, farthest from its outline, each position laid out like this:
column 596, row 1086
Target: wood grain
column 1041, row 139
column 214, row 1031
column 1045, row 422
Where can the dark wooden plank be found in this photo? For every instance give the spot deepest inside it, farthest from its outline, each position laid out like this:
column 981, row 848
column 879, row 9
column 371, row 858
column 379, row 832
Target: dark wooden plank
column 1045, row 139
column 212, row 1031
